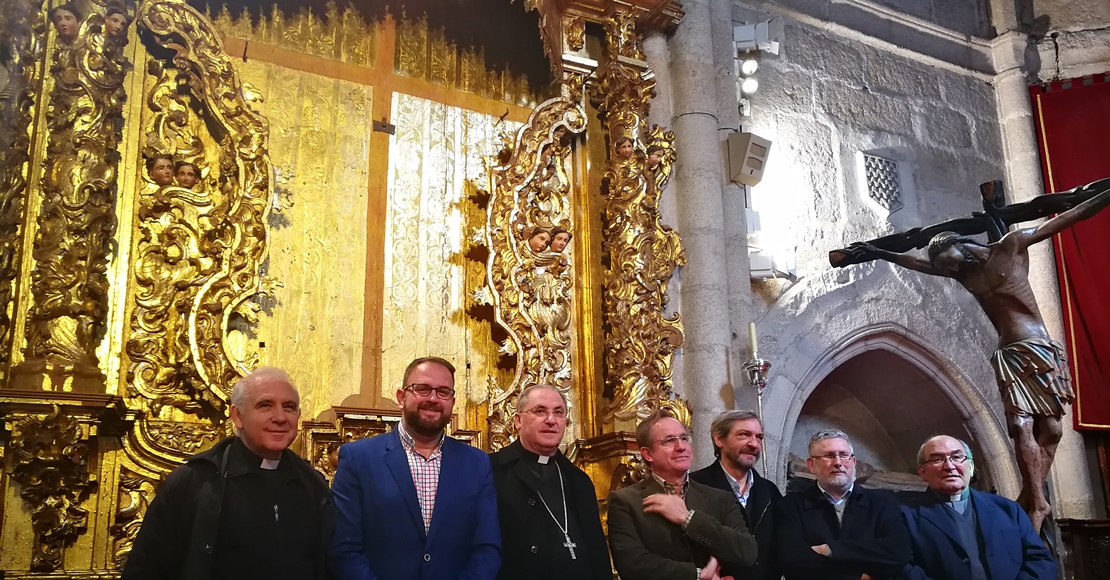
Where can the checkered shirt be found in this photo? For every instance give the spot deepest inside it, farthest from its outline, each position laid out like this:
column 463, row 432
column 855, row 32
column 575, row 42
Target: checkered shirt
column 670, row 488
column 425, row 473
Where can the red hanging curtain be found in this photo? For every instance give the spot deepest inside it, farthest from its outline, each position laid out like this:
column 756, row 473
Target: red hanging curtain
column 1073, row 128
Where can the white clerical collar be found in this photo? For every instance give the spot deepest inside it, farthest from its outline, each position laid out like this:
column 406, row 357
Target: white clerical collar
column 543, row 459
column 270, row 464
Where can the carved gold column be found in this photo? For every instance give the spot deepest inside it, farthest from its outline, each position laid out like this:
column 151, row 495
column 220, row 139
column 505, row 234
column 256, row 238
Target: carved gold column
column 16, row 117
column 642, row 252
column 76, row 221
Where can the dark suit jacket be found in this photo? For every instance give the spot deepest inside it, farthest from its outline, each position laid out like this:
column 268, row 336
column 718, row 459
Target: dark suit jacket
column 759, row 515
column 872, row 539
column 1011, row 548
column 648, row 547
column 379, row 532
column 526, row 548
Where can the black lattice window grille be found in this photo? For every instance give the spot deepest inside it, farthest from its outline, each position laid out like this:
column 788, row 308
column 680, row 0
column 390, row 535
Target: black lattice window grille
column 883, row 186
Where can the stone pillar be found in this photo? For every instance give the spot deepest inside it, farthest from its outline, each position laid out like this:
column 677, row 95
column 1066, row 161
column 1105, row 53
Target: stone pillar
column 1072, row 493
column 700, row 222
column 661, row 113
column 740, row 298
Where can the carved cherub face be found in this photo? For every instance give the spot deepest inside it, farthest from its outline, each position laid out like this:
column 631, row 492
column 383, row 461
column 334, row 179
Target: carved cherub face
column 115, row 24
column 560, row 241
column 161, row 172
column 625, row 148
column 654, row 158
column 65, row 22
column 539, row 240
column 186, row 175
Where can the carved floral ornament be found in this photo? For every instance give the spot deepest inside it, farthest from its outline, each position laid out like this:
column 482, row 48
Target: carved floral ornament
column 50, row 462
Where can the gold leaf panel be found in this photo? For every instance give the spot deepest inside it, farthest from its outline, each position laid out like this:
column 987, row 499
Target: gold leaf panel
column 320, row 149
column 435, row 157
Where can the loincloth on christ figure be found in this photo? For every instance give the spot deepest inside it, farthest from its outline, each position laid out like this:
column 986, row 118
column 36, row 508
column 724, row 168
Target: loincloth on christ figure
column 1033, row 377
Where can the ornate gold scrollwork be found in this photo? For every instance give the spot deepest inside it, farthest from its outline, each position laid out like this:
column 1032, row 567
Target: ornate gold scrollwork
column 76, row 222
column 574, row 31
column 50, row 462
column 135, row 495
column 643, row 253
column 200, row 253
column 16, row 115
column 531, row 291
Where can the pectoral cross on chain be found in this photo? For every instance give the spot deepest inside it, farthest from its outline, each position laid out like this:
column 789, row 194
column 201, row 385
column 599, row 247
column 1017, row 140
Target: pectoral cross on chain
column 570, row 546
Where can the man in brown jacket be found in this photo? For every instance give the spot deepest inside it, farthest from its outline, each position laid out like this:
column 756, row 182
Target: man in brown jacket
column 668, row 527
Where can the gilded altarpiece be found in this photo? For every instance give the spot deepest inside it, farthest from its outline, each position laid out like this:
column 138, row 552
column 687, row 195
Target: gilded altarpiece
column 366, row 192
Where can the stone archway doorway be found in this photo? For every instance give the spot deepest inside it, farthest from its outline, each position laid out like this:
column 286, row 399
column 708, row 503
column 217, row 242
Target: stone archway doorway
column 888, row 406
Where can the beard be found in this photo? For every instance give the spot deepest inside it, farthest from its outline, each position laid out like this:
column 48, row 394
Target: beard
column 839, row 480
column 425, row 427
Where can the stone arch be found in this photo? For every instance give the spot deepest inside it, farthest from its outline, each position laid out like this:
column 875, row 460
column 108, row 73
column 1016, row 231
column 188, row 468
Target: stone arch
column 974, row 410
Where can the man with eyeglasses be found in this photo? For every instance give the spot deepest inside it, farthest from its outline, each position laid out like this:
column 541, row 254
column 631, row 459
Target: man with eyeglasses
column 668, row 527
column 835, row 530
column 414, row 503
column 961, row 534
column 550, row 526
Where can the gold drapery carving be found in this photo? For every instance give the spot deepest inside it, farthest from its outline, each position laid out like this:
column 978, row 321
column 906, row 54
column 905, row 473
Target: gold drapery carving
column 435, row 157
column 643, row 253
column 531, row 292
column 215, row 240
column 50, row 462
column 76, row 221
column 342, row 35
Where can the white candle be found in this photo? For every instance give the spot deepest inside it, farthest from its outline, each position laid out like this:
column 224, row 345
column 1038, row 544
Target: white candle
column 752, row 338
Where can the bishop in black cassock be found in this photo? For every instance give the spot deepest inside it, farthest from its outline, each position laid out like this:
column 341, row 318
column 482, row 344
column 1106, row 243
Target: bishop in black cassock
column 534, row 481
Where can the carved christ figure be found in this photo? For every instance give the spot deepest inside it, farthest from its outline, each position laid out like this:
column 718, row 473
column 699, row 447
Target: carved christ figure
column 1030, row 367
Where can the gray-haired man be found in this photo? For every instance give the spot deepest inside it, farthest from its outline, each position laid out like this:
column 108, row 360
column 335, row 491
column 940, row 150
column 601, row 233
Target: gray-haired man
column 246, row 508
column 837, row 531
column 550, row 525
column 738, row 444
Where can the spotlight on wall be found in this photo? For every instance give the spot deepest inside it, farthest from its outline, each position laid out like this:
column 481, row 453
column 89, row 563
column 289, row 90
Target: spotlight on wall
column 751, row 41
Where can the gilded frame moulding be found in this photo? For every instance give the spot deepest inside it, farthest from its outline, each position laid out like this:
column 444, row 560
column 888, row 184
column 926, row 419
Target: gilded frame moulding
column 531, row 291
column 223, row 232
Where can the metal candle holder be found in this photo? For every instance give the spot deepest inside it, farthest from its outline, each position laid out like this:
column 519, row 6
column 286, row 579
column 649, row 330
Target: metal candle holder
column 756, row 369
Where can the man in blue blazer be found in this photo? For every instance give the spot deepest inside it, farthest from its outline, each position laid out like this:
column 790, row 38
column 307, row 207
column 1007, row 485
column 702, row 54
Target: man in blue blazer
column 414, row 503
column 960, row 534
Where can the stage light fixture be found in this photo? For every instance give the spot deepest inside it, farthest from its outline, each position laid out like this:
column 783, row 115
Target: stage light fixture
column 749, row 86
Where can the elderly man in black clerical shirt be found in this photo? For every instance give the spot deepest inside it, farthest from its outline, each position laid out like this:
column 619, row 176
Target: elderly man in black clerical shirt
column 246, row 508
column 550, row 527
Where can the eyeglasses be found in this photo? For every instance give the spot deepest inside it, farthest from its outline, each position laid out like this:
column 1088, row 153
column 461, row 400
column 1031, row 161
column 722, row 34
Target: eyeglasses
column 830, row 457
column 670, row 441
column 956, row 458
column 543, row 413
column 426, row 390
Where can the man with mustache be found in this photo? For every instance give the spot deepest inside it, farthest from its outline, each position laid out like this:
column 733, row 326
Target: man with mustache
column 961, row 534
column 414, row 503
column 246, row 508
column 550, row 527
column 668, row 527
column 738, row 443
column 836, row 531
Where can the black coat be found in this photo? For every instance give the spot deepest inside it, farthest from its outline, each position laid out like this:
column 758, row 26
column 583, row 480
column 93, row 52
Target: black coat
column 759, row 515
column 179, row 531
column 526, row 546
column 872, row 539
